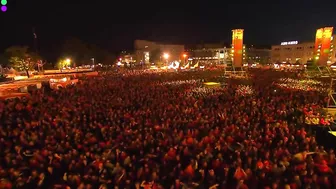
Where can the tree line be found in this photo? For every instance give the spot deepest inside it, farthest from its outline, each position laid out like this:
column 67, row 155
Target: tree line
column 23, row 59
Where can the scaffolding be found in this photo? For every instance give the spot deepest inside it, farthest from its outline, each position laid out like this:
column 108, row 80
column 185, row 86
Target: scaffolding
column 318, row 71
column 231, row 70
column 331, row 95
column 331, row 103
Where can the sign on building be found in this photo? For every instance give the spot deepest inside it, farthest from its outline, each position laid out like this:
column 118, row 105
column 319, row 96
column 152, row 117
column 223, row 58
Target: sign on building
column 290, row 43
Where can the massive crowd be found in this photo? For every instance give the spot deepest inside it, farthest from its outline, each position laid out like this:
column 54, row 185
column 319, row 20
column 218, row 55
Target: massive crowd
column 303, row 84
column 141, row 130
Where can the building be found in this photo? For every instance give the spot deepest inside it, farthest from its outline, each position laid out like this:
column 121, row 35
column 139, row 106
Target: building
column 257, row 55
column 209, row 53
column 221, row 53
column 126, row 57
column 147, row 52
column 295, row 52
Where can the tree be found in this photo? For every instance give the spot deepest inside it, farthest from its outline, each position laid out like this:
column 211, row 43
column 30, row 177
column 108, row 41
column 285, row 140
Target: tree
column 63, row 63
column 4, row 61
column 21, row 59
column 77, row 50
column 109, row 59
column 96, row 53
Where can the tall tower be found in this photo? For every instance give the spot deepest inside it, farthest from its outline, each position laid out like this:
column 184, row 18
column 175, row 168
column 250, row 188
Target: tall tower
column 326, row 45
column 323, row 44
column 237, row 47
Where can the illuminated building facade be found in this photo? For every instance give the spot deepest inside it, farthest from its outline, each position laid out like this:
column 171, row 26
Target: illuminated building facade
column 324, row 47
column 126, row 58
column 256, row 55
column 292, row 52
column 144, row 50
column 209, row 53
column 237, row 47
column 300, row 52
column 221, row 54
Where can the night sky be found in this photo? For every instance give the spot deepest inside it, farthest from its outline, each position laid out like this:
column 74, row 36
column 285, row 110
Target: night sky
column 115, row 25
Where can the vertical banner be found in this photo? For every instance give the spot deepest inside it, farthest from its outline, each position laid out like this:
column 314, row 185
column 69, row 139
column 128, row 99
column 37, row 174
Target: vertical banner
column 318, row 40
column 237, row 47
column 325, row 46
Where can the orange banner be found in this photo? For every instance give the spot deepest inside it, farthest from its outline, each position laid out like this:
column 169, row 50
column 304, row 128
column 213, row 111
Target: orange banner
column 237, row 44
column 325, row 46
column 318, row 39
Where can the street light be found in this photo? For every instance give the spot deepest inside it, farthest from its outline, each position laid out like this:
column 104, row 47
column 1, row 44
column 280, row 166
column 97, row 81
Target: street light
column 166, row 56
column 93, row 63
column 64, row 63
column 184, row 56
column 67, row 62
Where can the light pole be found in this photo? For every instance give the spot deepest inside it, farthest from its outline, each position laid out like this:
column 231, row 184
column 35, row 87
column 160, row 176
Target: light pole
column 131, row 63
column 166, row 56
column 64, row 63
column 93, row 63
column 184, row 56
column 68, row 61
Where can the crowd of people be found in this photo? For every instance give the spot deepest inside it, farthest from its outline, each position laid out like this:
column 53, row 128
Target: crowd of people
column 141, row 130
column 303, row 84
column 244, row 90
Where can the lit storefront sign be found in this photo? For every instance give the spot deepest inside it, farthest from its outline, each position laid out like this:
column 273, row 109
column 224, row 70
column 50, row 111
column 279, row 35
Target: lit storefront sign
column 290, row 43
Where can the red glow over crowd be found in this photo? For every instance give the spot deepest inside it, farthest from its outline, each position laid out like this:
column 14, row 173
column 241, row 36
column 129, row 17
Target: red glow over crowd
column 165, row 130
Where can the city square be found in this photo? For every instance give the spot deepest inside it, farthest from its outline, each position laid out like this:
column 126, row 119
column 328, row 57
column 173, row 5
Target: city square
column 159, row 104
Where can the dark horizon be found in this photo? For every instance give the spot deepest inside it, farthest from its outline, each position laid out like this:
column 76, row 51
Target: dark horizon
column 115, row 26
